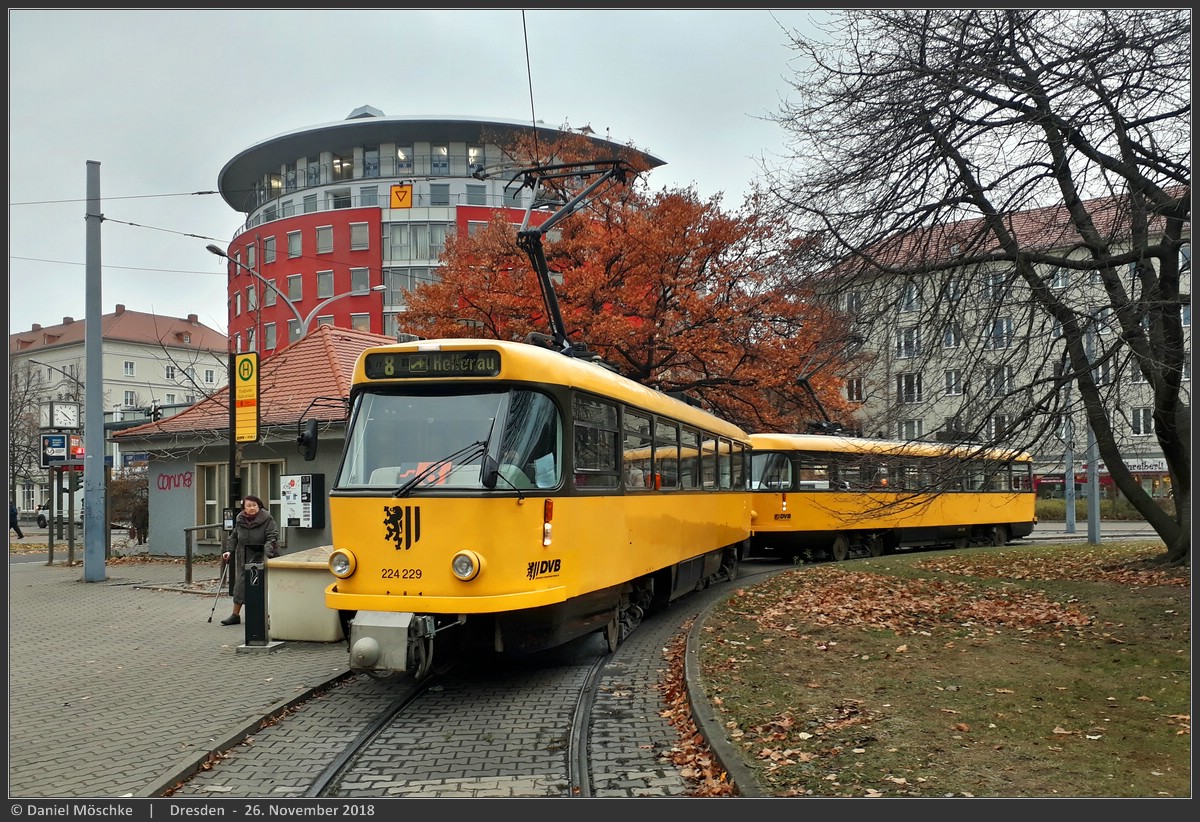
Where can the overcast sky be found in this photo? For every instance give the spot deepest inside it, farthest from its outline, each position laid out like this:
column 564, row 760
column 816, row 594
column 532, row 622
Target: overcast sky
column 162, row 99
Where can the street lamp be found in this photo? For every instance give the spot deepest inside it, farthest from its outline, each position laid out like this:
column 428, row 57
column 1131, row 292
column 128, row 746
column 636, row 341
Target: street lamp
column 303, row 322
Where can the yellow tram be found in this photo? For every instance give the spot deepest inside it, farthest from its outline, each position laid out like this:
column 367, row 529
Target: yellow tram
column 488, row 496
column 828, row 495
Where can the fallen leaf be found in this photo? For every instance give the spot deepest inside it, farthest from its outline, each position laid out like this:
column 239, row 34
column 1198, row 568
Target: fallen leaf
column 1060, row 730
column 962, row 726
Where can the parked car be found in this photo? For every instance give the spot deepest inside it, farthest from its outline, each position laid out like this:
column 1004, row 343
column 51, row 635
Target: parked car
column 45, row 514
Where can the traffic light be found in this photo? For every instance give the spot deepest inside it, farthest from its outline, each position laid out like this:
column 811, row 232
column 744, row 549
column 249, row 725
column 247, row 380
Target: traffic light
column 155, row 412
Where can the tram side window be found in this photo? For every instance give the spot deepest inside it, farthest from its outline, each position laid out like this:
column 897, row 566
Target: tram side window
column 725, row 463
column 595, row 442
column 1022, row 476
column 771, row 472
column 741, row 477
column 666, row 454
column 636, row 465
column 814, row 475
column 689, row 461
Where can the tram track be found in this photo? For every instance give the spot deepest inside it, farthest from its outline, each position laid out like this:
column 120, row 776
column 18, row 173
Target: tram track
column 576, row 721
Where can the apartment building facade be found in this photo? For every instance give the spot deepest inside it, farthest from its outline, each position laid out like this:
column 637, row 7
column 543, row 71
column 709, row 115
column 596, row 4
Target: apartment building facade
column 150, row 363
column 963, row 354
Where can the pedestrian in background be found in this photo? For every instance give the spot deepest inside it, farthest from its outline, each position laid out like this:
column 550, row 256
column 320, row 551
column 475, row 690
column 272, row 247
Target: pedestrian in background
column 13, row 524
column 254, row 526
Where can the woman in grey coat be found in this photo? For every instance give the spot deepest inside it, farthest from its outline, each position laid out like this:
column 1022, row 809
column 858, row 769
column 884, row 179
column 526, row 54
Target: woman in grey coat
column 254, row 526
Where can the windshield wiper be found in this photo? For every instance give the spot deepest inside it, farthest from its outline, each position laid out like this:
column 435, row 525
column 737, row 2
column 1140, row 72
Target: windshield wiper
column 469, row 451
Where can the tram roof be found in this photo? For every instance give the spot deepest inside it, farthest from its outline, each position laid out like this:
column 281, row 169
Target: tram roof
column 831, row 443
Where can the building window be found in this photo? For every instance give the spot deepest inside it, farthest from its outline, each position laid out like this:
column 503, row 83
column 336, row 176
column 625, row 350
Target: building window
column 1103, row 373
column 998, row 426
column 437, row 239
column 404, row 160
column 340, row 199
column 295, row 245
column 295, row 285
column 1000, row 380
column 289, row 177
column 1056, row 330
column 127, row 368
column 287, row 209
column 168, row 399
column 368, row 196
column 310, row 203
column 1001, row 334
column 324, row 239
column 360, row 237
column 1135, row 373
column 475, row 227
column 476, row 195
column 951, row 336
column 237, row 304
column 210, row 376
column 910, row 429
column 953, row 381
column 360, row 322
column 370, row 161
column 270, row 294
column 439, row 194
column 854, row 302
column 269, row 336
column 908, row 388
column 251, row 298
column 324, row 321
column 908, row 342
column 324, row 284
column 360, row 280
column 313, row 172
column 130, row 399
column 996, row 286
column 268, row 250
column 854, row 389
column 1185, row 315
column 251, row 256
column 953, row 289
column 293, row 327
column 1141, row 421
column 169, row 372
column 440, row 162
column 342, row 168
column 250, row 339
column 474, row 159
column 910, row 297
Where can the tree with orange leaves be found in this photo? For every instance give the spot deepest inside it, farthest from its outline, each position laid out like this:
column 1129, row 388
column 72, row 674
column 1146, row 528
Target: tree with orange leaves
column 670, row 291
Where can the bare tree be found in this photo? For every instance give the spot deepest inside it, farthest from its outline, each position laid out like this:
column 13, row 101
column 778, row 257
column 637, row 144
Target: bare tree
column 1004, row 202
column 25, row 391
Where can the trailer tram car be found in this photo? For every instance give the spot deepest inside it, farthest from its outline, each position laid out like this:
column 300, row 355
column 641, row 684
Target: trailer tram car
column 484, row 500
column 819, row 495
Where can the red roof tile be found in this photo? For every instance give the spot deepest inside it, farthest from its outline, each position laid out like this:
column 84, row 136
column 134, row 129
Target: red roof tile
column 320, row 365
column 125, row 326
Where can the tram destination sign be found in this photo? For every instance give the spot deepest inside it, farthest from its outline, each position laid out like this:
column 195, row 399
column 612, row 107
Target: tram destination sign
column 426, row 364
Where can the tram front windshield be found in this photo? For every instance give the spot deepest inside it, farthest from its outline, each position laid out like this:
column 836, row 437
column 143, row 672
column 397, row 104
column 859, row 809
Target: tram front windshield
column 443, row 438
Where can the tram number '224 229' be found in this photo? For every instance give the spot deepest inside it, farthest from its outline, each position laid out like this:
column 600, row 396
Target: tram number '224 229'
column 400, row 573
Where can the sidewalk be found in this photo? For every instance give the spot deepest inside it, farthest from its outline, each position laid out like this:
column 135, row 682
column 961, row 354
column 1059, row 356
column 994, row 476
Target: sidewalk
column 117, row 683
column 1109, row 529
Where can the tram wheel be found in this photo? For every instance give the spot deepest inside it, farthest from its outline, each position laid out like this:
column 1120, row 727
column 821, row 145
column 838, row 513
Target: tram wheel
column 841, row 548
column 997, row 536
column 960, row 543
column 612, row 631
column 875, row 546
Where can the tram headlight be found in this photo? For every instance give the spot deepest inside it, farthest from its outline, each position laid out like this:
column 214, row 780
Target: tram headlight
column 466, row 565
column 342, row 563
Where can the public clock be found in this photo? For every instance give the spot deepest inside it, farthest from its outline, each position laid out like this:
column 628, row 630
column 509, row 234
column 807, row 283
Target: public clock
column 64, row 414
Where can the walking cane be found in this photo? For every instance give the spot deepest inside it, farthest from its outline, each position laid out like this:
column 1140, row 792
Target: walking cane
column 220, row 585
